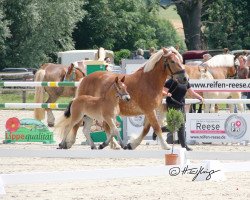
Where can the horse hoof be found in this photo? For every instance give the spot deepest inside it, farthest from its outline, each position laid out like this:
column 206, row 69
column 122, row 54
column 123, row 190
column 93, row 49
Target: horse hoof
column 50, row 125
column 62, row 146
column 93, row 148
column 125, row 147
column 101, row 146
column 128, row 146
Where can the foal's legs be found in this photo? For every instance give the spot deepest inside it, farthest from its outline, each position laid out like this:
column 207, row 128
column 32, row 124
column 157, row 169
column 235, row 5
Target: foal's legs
column 114, row 132
column 113, row 143
column 66, row 142
column 88, row 122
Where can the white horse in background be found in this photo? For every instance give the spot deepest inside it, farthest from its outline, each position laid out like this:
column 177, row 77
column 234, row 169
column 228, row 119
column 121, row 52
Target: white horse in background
column 210, row 108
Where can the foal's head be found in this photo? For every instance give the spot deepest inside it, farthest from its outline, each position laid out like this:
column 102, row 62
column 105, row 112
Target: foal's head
column 73, row 73
column 121, row 89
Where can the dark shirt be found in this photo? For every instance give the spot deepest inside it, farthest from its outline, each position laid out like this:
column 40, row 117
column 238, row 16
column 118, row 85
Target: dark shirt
column 178, row 92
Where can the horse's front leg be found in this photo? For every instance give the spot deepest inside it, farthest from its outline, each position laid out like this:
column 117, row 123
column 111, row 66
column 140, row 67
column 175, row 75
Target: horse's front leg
column 113, row 143
column 150, row 120
column 113, row 132
column 135, row 142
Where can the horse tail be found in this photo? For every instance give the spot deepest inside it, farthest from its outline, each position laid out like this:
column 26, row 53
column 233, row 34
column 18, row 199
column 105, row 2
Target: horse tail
column 39, row 113
column 67, row 111
column 63, row 122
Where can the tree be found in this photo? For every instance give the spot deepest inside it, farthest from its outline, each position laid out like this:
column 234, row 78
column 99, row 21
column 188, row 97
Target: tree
column 227, row 25
column 4, row 30
column 122, row 24
column 190, row 13
column 39, row 29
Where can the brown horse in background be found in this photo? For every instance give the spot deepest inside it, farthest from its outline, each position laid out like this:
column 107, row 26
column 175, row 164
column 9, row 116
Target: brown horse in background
column 145, row 88
column 104, row 108
column 50, row 72
column 221, row 66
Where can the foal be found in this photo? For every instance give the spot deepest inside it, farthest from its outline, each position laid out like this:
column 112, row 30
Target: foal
column 104, row 108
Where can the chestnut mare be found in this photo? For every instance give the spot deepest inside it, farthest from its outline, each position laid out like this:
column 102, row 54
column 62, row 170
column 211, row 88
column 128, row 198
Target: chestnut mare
column 104, row 108
column 54, row 73
column 220, row 66
column 145, row 88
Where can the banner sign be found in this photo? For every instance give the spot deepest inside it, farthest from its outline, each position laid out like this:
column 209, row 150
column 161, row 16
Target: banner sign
column 239, row 85
column 215, row 127
column 27, row 130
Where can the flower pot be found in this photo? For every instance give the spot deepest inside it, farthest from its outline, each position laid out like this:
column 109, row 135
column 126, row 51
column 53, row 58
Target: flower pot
column 171, row 159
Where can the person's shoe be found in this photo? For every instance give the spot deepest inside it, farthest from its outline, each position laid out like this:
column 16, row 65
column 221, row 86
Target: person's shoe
column 154, row 136
column 188, row 148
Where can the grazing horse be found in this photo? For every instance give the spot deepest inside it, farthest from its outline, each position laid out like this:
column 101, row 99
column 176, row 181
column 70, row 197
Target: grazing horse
column 210, row 108
column 104, row 108
column 220, row 66
column 145, row 88
column 54, row 73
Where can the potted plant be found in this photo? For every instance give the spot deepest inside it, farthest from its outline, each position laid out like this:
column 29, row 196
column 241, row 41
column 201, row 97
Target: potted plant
column 175, row 119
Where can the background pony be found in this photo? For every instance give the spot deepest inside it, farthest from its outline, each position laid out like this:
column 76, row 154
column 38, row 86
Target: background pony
column 220, row 66
column 210, row 108
column 55, row 73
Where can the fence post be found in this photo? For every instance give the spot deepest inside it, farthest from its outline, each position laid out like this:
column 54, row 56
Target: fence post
column 24, row 95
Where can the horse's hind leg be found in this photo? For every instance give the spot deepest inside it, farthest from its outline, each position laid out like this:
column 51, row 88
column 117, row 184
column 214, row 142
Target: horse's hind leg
column 66, row 143
column 50, row 117
column 88, row 122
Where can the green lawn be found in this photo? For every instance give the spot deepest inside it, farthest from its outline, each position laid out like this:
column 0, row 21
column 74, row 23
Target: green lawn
column 17, row 98
column 169, row 14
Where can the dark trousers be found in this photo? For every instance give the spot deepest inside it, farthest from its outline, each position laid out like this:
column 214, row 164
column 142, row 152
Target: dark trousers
column 248, row 97
column 181, row 131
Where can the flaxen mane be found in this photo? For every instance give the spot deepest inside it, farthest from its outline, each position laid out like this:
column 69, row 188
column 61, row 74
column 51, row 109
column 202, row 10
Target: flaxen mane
column 222, row 60
column 157, row 56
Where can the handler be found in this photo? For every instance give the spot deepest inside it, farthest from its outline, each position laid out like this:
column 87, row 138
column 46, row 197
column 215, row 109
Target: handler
column 175, row 90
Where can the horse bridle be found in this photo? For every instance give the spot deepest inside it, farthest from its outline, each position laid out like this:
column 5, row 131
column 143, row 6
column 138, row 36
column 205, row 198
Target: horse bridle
column 166, row 65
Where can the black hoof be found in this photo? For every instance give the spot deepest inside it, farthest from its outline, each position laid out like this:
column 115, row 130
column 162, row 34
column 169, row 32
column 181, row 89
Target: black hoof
column 128, row 146
column 62, row 146
column 125, row 147
column 50, row 125
column 101, row 146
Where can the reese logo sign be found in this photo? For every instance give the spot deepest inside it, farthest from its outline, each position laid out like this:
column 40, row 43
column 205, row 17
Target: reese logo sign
column 214, row 127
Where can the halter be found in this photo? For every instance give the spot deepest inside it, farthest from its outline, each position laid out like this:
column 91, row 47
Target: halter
column 119, row 94
column 165, row 63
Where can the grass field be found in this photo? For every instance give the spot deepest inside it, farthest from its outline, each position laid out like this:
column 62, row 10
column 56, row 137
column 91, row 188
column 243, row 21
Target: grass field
column 171, row 14
column 16, row 97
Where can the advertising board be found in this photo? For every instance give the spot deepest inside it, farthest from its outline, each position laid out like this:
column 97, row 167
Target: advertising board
column 217, row 127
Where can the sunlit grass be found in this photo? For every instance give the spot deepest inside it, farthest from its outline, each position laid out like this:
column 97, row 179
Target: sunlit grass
column 17, row 97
